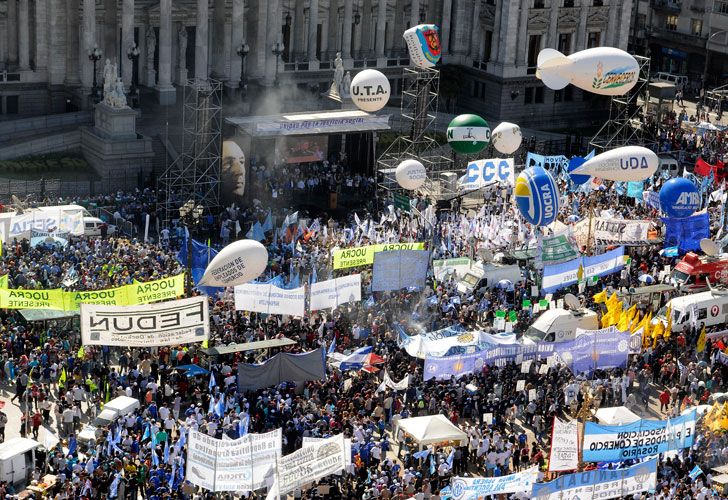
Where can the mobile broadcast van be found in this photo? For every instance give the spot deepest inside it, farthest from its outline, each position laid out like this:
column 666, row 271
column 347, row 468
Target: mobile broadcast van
column 707, row 308
column 488, row 275
column 559, row 325
column 117, row 407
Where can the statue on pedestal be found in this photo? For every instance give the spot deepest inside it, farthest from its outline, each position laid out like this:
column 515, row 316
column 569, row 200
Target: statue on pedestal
column 346, row 85
column 151, row 45
column 336, row 89
column 182, row 41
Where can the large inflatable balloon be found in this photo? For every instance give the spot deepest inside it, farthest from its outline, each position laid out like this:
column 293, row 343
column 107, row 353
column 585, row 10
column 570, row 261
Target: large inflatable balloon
column 423, row 44
column 410, row 174
column 507, row 138
column 239, row 262
column 628, row 163
column 537, row 196
column 370, row 90
column 679, row 198
column 468, row 134
column 601, row 70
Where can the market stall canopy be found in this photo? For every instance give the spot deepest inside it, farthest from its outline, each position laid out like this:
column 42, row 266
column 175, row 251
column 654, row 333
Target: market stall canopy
column 323, row 122
column 192, row 370
column 248, row 346
column 616, row 415
column 431, row 429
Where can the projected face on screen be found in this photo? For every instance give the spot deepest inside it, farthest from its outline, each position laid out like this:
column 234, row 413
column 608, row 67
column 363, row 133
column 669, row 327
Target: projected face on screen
column 233, row 171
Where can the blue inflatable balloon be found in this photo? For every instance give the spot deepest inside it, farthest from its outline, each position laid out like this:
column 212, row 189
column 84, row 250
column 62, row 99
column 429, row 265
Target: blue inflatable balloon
column 679, row 198
column 537, row 196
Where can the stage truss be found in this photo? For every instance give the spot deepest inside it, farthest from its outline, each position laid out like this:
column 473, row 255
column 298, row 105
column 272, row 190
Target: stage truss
column 625, row 126
column 195, row 174
column 419, row 112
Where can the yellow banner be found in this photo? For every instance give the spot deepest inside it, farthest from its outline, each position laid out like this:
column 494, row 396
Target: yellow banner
column 364, row 256
column 127, row 295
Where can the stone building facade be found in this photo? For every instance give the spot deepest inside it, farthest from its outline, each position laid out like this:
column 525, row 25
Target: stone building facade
column 489, row 47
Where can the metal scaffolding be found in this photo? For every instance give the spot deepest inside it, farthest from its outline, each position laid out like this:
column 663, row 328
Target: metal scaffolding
column 626, row 124
column 419, row 111
column 195, row 174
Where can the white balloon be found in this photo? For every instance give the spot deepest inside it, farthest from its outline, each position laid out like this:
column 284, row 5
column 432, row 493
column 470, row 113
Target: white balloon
column 506, row 138
column 370, row 90
column 628, row 163
column 239, row 262
column 410, row 174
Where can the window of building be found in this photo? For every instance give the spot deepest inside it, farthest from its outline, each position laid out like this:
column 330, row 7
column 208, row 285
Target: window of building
column 641, row 21
column 482, row 91
column 720, row 7
column 476, row 84
column 558, row 96
column 593, row 39
column 696, row 26
column 568, row 3
column 528, row 95
column 534, row 46
column 568, row 93
column 598, row 3
column 488, row 45
column 538, row 98
column 671, row 23
column 12, row 105
column 565, row 43
column 538, row 4
column 490, row 2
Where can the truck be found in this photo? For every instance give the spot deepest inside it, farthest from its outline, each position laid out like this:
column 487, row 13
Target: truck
column 117, row 407
column 488, row 275
column 559, row 325
column 62, row 218
column 704, row 309
column 691, row 273
column 17, row 460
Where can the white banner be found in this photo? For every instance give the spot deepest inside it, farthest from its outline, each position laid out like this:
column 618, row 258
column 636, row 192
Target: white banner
column 472, row 488
column 332, row 293
column 612, row 231
column 270, row 299
column 399, row 269
column 480, row 173
column 310, row 463
column 443, row 268
column 564, row 446
column 243, row 464
column 47, row 220
column 167, row 323
column 402, row 385
column 308, row 441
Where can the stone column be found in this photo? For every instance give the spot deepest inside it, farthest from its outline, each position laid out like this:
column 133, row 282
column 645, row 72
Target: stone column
column 299, row 29
column 494, row 41
column 581, row 28
column 415, row 13
column 218, row 40
column 110, row 35
column 397, row 40
column 509, row 43
column 522, row 43
column 201, row 40
column 56, row 41
column 165, row 91
column 237, row 37
column 381, row 28
column 127, row 39
column 41, row 34
column 445, row 25
column 273, row 35
column 356, row 51
column 552, row 40
column 612, row 26
column 475, row 32
column 24, row 36
column 12, row 32
column 333, row 31
column 312, row 29
column 89, row 42
column 366, row 30
column 346, row 30
column 71, row 43
column 622, row 38
column 459, row 25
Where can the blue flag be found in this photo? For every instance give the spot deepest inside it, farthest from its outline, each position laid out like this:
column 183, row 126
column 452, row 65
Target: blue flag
column 243, row 425
column 695, row 472
column 155, row 458
column 212, row 382
column 220, row 407
column 114, row 487
column 258, row 233
column 166, row 451
column 72, row 445
column 268, row 222
column 202, row 254
column 686, row 232
column 332, row 347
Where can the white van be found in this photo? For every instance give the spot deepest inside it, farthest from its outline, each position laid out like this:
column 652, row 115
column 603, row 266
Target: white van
column 92, row 227
column 668, row 163
column 117, row 407
column 677, row 80
column 43, row 219
column 559, row 325
column 489, row 275
column 711, row 309
column 17, row 459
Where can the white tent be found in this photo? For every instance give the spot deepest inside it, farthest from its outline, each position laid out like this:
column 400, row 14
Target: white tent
column 431, row 429
column 616, row 415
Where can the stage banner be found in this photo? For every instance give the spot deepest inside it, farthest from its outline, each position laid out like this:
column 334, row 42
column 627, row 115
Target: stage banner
column 444, row 267
column 11, row 298
column 481, row 173
column 686, row 233
column 312, row 462
column 332, row 293
column 473, row 488
column 156, row 291
column 364, row 256
column 399, row 269
column 558, row 276
column 600, row 483
column 243, row 464
column 564, row 446
column 171, row 323
column 641, row 439
column 46, row 221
